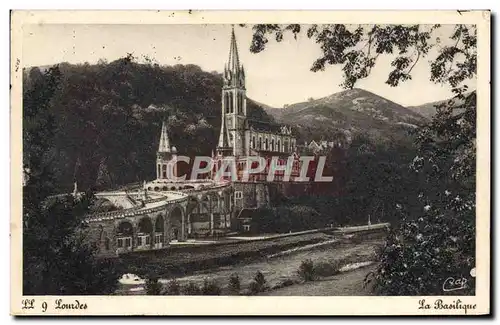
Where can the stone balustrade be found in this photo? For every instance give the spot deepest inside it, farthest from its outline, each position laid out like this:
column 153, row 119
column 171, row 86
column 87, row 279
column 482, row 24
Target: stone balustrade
column 137, row 210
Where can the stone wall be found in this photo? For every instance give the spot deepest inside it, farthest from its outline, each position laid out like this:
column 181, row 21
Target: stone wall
column 253, row 195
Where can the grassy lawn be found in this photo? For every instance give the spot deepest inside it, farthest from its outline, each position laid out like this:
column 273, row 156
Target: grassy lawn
column 343, row 284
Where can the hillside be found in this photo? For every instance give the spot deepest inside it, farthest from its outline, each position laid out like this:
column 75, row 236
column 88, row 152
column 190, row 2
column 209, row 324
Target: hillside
column 350, row 111
column 429, row 109
column 107, row 117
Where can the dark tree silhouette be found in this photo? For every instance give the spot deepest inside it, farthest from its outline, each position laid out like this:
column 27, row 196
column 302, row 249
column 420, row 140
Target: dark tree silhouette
column 438, row 240
column 57, row 258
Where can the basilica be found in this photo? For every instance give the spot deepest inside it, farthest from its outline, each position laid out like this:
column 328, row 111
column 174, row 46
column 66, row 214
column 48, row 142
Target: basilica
column 166, row 211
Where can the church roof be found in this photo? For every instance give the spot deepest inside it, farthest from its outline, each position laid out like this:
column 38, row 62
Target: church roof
column 265, row 126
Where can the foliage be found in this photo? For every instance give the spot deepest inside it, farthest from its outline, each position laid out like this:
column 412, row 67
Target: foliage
column 338, row 117
column 173, row 288
column 329, row 268
column 285, row 218
column 306, row 270
column 372, row 180
column 57, row 256
column 234, row 284
column 436, row 236
column 258, row 284
column 107, row 118
column 191, row 289
column 358, row 48
column 210, row 288
column 153, row 286
column 439, row 242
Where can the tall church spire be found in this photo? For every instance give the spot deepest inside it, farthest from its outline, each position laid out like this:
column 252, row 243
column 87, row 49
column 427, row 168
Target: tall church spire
column 234, row 61
column 234, row 76
column 233, row 125
column 164, row 142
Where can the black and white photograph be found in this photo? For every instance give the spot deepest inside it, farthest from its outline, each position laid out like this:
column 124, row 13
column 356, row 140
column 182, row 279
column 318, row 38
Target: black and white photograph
column 226, row 157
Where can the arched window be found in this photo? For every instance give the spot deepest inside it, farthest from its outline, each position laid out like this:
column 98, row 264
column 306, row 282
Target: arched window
column 253, row 142
column 272, row 145
column 231, row 103
column 237, row 103
column 267, row 144
column 106, row 243
column 164, row 171
column 226, row 102
column 260, row 143
column 240, row 103
column 279, row 145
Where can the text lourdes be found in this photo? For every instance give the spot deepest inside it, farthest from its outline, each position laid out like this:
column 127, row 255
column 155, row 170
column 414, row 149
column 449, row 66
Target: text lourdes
column 73, row 305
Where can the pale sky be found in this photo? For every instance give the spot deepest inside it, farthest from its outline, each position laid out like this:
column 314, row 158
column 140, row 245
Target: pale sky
column 277, row 76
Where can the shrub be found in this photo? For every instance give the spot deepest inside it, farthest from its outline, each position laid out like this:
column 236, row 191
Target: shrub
column 329, row 268
column 306, row 270
column 254, row 288
column 234, row 285
column 173, row 288
column 379, row 251
column 210, row 288
column 153, row 286
column 431, row 250
column 259, row 283
column 191, row 289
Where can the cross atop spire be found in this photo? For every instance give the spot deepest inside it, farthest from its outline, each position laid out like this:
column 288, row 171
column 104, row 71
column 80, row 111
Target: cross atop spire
column 164, row 141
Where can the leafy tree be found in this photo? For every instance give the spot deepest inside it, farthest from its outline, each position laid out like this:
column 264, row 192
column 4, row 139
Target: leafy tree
column 191, row 289
column 259, row 283
column 234, row 284
column 438, row 239
column 57, row 256
column 210, row 288
column 306, row 270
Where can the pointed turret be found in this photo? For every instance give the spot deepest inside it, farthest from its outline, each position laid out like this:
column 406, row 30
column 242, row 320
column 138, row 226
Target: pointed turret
column 75, row 189
column 164, row 154
column 223, row 137
column 164, row 142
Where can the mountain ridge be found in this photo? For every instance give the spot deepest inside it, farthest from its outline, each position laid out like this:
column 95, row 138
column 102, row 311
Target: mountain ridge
column 349, row 111
column 429, row 109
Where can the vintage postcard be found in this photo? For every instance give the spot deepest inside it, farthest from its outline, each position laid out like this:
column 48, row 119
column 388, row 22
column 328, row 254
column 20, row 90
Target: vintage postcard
column 250, row 163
